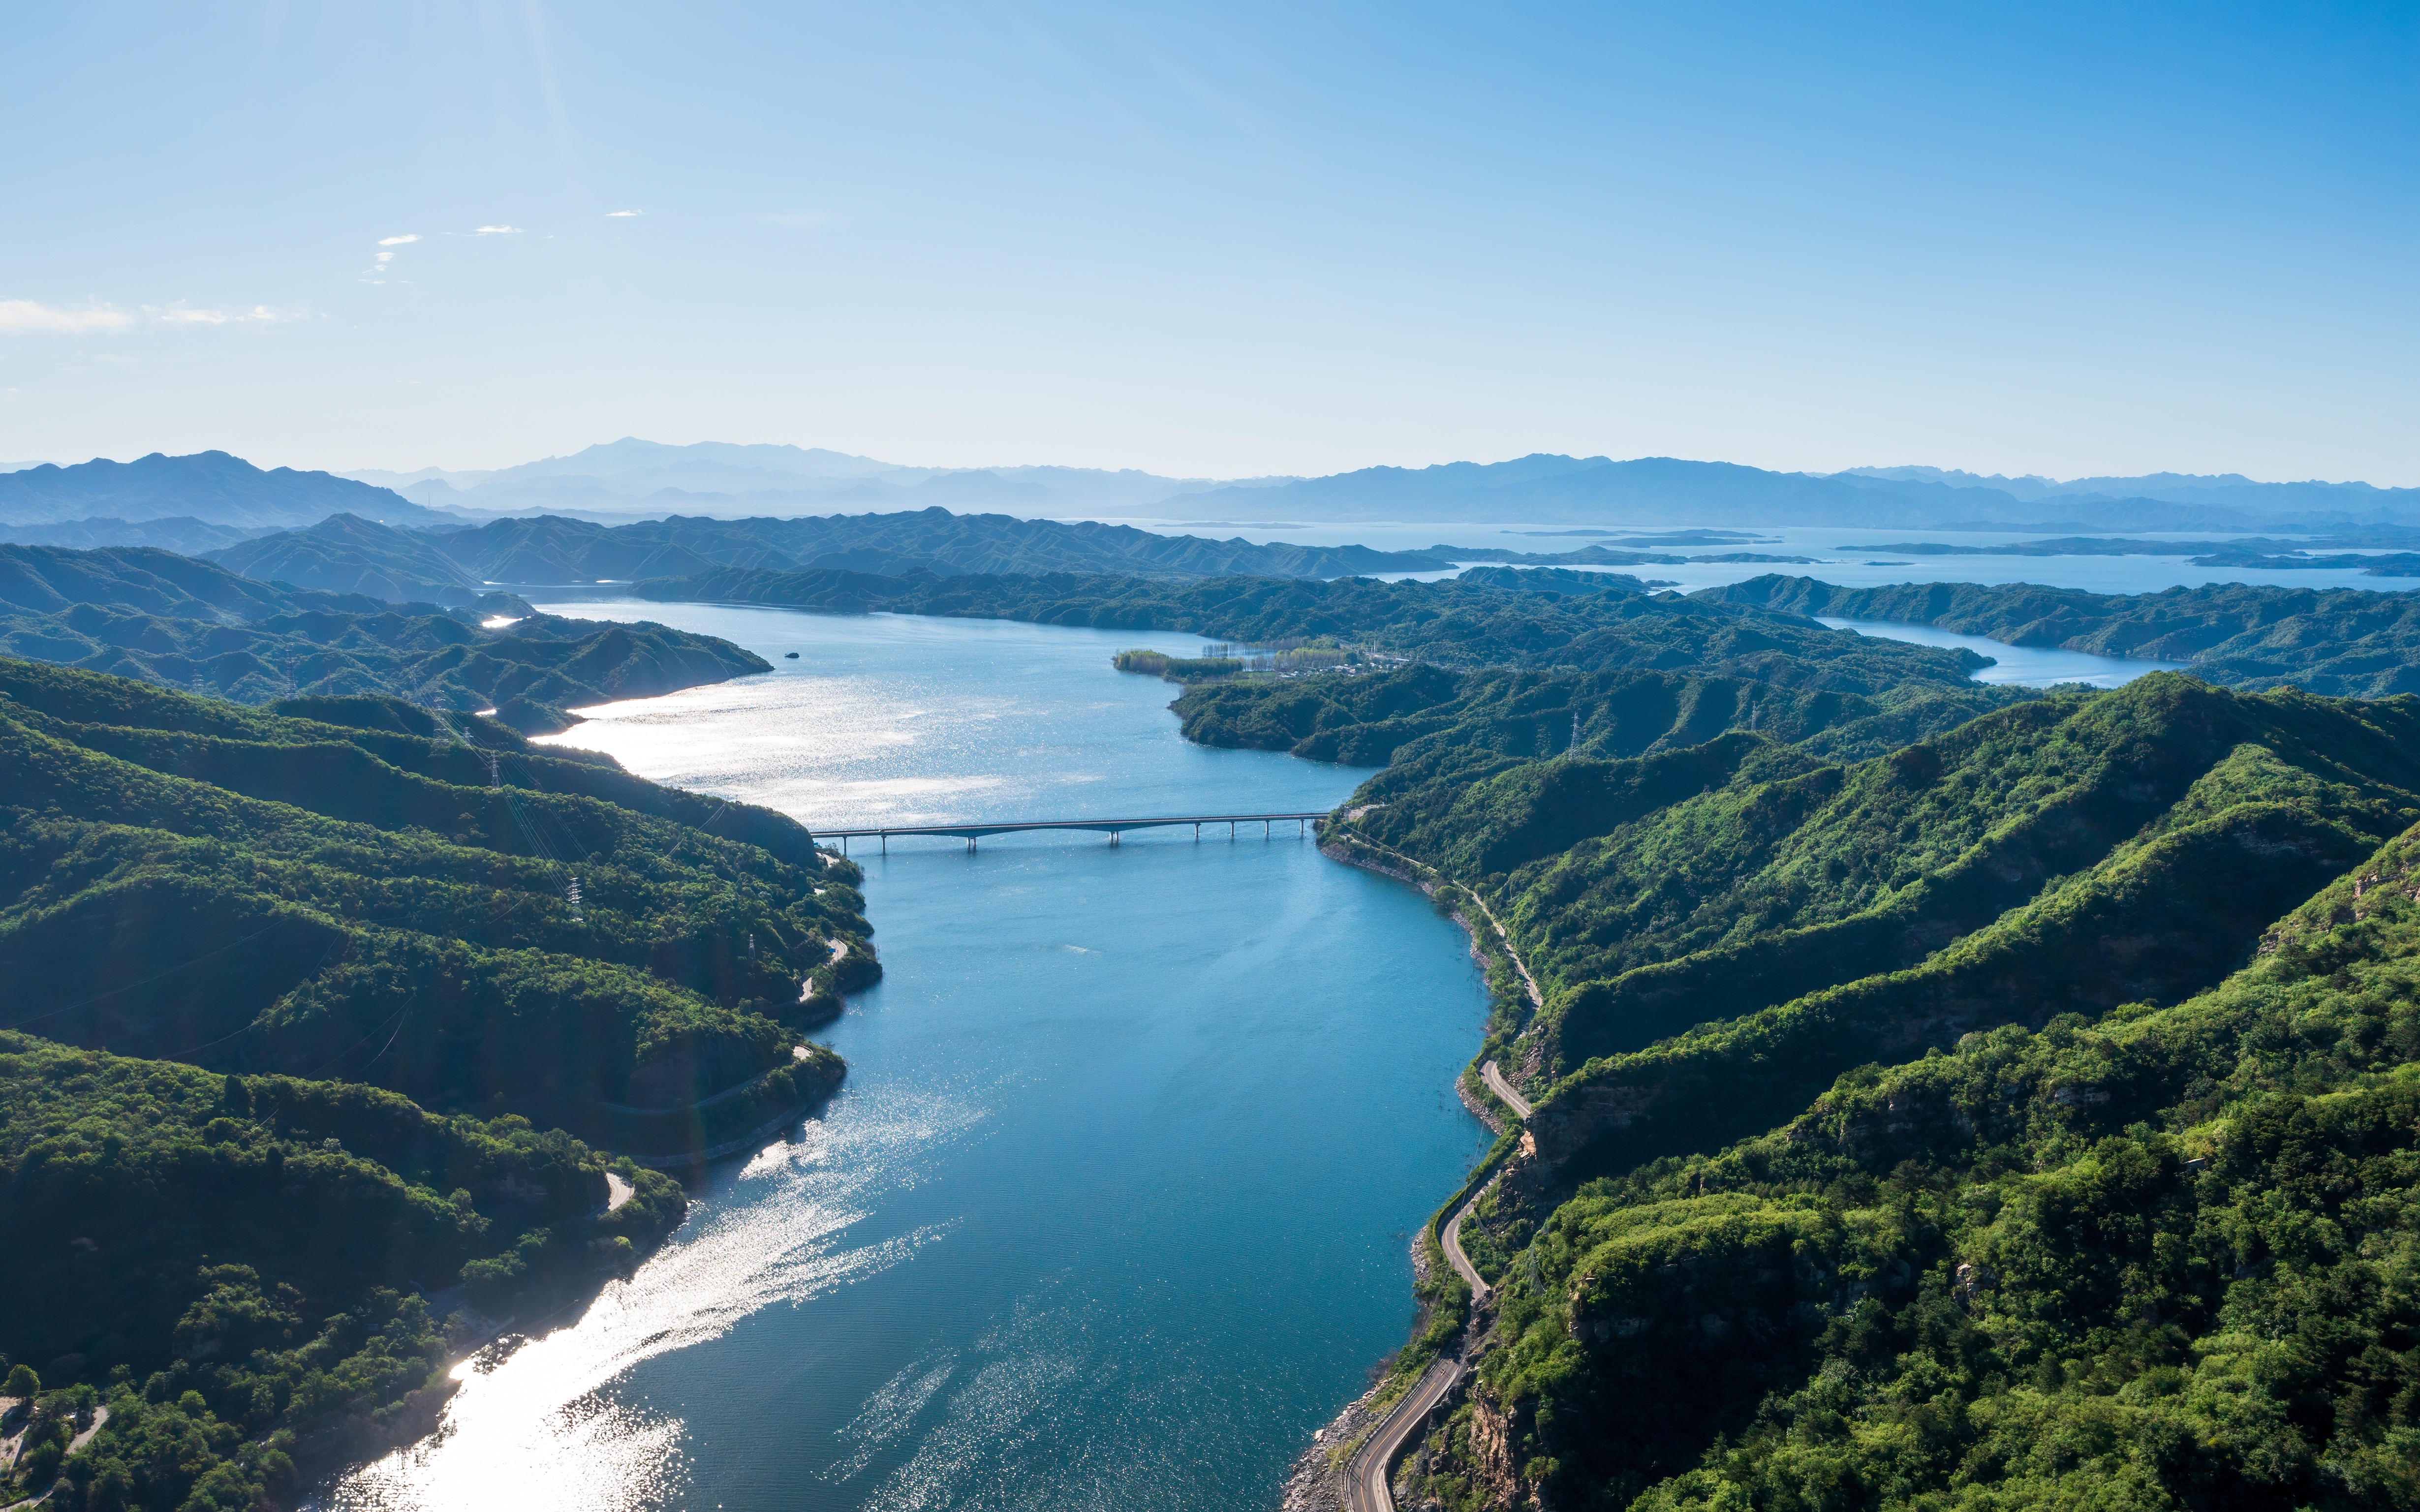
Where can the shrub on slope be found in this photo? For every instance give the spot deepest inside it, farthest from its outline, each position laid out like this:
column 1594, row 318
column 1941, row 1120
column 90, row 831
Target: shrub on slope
column 2159, row 1258
column 372, row 913
column 230, row 1258
column 2344, row 641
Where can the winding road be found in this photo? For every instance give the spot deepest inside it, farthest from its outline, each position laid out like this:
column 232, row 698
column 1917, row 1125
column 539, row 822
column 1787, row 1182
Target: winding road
column 1367, row 1473
column 1498, row 1085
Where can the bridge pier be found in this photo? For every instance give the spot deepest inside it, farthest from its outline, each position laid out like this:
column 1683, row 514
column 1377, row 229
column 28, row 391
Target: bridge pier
column 1115, row 829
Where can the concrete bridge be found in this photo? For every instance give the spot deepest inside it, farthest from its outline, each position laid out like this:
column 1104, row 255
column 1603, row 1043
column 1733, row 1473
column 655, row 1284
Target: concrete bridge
column 972, row 833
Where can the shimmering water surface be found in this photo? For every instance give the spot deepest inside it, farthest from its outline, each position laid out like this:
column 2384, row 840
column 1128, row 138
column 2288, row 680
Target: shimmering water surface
column 2032, row 666
column 1115, row 1207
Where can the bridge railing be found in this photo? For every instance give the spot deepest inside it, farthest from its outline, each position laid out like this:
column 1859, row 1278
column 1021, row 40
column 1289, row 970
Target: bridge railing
column 972, row 833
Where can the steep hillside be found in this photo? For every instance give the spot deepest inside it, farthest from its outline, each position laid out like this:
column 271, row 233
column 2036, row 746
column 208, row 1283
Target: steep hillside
column 430, row 657
column 237, row 1260
column 348, row 554
column 2342, row 641
column 43, row 579
column 180, row 532
column 1433, row 724
column 176, row 622
column 1742, row 879
column 339, row 890
column 1996, row 966
column 2149, row 1257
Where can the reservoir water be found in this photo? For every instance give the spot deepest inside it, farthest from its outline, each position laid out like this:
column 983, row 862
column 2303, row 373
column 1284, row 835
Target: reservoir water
column 2034, row 666
column 1115, row 1207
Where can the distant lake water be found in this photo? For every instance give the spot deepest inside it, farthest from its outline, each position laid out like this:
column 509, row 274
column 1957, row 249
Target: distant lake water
column 1115, row 1207
column 1851, row 558
column 2032, row 666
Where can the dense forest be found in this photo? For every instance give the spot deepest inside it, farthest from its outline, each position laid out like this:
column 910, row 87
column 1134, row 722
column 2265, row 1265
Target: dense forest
column 2155, row 1256
column 351, row 554
column 178, row 622
column 167, row 1304
column 402, row 921
column 2346, row 641
column 353, row 959
column 2020, row 1103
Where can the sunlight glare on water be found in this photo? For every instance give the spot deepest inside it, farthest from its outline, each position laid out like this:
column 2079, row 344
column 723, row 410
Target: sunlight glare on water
column 1115, row 1207
column 531, row 1431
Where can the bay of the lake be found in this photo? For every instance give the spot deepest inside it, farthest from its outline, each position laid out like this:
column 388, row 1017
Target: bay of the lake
column 1115, row 1207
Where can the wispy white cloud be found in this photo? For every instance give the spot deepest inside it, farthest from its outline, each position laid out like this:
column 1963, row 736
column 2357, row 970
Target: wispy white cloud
column 181, row 314
column 616, row 215
column 397, row 241
column 28, row 316
column 31, row 317
column 497, row 231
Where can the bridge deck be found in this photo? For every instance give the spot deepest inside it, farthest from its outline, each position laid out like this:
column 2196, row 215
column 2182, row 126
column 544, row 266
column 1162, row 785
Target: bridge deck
column 971, row 833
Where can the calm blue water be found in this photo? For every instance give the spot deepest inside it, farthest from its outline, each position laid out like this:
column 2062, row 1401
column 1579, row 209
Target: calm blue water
column 1850, row 556
column 1115, row 1207
column 2034, row 666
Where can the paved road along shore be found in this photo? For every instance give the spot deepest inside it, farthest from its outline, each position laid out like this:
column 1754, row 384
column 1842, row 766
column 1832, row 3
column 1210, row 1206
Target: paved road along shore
column 1368, row 1472
column 1497, row 1083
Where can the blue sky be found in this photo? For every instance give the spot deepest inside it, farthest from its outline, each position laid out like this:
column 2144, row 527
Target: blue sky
column 1224, row 240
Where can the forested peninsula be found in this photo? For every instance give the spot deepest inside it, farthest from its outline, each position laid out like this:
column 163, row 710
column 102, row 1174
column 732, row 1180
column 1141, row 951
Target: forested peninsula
column 321, row 1016
column 177, row 623
column 2347, row 642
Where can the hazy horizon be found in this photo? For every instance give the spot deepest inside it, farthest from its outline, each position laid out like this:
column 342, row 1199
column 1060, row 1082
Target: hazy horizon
column 1219, row 242
column 1982, row 477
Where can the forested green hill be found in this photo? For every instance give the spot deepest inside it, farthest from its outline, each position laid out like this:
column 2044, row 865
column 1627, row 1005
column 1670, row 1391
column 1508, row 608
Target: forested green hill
column 1458, row 625
column 1697, row 1270
column 2346, row 642
column 1432, row 724
column 343, row 894
column 225, row 1263
column 226, row 1247
column 2161, row 1257
column 176, row 622
column 346, row 553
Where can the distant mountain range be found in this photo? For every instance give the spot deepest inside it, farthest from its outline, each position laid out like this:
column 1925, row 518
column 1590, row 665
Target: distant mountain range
column 211, row 487
column 103, row 502
column 1666, row 490
column 633, row 477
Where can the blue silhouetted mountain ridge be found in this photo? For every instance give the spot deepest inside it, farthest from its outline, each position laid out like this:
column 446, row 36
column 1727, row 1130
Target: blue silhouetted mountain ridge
column 212, row 486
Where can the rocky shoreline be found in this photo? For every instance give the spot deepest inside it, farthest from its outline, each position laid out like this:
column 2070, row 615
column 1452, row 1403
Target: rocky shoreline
column 1317, row 1481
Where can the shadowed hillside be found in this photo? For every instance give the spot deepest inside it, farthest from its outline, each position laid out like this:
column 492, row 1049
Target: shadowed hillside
column 340, row 892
